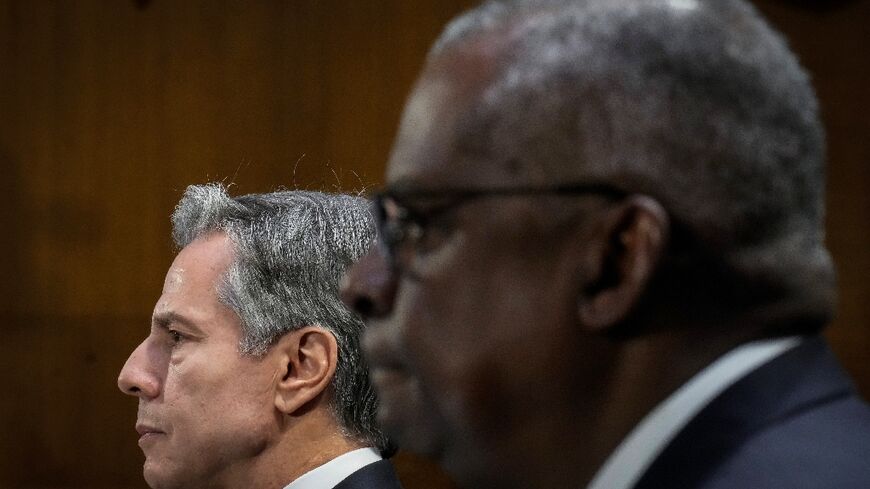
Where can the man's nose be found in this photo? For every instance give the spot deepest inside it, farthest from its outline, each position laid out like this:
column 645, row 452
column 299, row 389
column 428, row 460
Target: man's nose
column 138, row 376
column 369, row 287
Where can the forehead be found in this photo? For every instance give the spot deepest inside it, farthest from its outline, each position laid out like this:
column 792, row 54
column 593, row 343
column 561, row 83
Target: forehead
column 198, row 267
column 437, row 113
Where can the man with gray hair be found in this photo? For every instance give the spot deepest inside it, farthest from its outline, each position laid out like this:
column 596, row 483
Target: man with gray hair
column 602, row 256
column 251, row 375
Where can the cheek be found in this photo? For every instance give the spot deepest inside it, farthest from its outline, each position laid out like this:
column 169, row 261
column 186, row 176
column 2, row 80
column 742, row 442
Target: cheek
column 219, row 418
column 442, row 334
column 481, row 338
column 243, row 394
column 460, row 325
column 207, row 396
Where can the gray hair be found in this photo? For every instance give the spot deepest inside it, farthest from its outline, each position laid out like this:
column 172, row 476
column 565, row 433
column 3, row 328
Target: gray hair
column 291, row 249
column 697, row 103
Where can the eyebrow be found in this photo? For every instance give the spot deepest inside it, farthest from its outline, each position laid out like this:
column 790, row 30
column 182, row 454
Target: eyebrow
column 166, row 319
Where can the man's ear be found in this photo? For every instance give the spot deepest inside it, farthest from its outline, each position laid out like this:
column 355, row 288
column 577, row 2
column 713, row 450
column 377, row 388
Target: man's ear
column 308, row 359
column 620, row 260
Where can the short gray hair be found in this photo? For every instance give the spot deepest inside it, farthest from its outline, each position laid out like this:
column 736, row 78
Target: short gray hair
column 291, row 249
column 698, row 103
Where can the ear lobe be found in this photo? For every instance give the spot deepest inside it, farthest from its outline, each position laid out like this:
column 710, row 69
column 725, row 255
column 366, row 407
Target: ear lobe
column 633, row 237
column 309, row 356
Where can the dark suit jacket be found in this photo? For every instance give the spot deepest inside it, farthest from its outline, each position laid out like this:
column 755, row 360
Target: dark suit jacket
column 794, row 423
column 379, row 475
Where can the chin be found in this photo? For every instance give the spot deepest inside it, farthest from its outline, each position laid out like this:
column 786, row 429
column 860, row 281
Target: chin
column 157, row 477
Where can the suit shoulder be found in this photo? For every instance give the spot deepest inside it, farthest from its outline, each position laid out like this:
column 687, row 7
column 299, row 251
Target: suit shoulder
column 378, row 475
column 824, row 446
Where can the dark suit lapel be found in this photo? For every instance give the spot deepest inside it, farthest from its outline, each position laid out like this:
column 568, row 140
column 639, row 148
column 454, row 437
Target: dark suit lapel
column 378, row 475
column 799, row 379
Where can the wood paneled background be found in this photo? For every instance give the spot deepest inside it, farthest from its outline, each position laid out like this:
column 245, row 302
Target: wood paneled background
column 110, row 108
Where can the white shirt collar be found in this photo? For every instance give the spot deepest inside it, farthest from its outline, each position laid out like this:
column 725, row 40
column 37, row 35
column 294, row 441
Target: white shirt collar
column 643, row 444
column 336, row 470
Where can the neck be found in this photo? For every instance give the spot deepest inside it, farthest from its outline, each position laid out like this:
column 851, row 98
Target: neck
column 304, row 443
column 571, row 440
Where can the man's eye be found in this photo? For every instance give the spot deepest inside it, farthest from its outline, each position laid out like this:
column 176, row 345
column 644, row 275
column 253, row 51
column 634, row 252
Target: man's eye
column 175, row 336
column 429, row 239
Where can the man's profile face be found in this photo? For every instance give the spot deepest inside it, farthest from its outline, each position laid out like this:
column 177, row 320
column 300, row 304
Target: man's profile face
column 205, row 410
column 473, row 343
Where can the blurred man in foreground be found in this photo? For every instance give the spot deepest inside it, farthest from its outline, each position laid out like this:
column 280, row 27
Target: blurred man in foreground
column 602, row 260
column 251, row 375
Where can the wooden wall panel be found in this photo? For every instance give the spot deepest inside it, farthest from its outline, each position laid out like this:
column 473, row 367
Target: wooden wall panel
column 108, row 111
